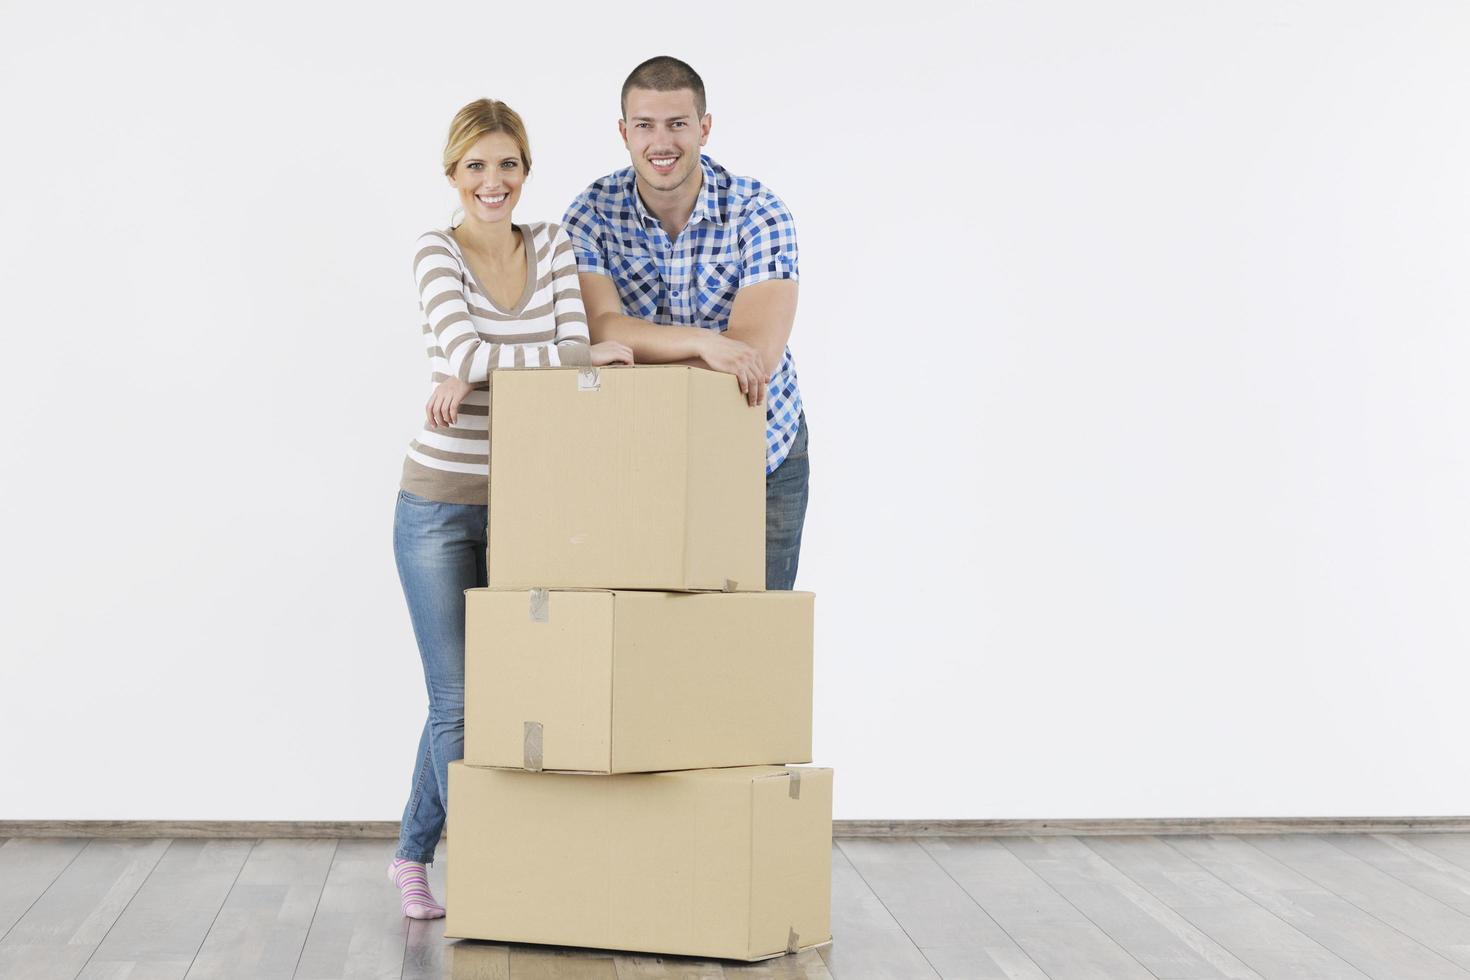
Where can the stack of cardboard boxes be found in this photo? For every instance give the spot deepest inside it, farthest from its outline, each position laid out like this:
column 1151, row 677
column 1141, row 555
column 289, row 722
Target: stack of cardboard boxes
column 633, row 695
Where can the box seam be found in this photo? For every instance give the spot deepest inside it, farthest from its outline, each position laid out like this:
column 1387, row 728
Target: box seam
column 750, row 873
column 688, row 470
column 612, row 674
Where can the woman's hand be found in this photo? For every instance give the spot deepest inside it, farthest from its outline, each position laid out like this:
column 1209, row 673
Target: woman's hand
column 443, row 406
column 611, row 352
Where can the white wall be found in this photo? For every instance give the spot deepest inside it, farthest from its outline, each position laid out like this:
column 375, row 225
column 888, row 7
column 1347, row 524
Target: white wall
column 1133, row 337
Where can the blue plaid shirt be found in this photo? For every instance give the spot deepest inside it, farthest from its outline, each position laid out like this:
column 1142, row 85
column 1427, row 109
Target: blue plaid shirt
column 739, row 234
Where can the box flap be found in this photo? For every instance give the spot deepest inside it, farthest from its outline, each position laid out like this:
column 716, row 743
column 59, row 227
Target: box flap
column 576, row 472
column 538, row 679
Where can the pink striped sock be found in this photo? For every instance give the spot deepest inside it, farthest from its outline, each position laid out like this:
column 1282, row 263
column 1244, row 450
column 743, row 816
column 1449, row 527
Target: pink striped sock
column 413, row 889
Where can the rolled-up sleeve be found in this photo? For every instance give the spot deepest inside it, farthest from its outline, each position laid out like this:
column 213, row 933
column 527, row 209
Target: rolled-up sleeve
column 767, row 241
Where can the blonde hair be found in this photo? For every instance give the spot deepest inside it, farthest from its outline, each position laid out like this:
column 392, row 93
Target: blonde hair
column 479, row 118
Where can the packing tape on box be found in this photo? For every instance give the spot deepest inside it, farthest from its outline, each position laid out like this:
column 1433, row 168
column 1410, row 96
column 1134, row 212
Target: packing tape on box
column 588, row 379
column 794, row 789
column 793, row 941
column 531, row 751
column 540, row 606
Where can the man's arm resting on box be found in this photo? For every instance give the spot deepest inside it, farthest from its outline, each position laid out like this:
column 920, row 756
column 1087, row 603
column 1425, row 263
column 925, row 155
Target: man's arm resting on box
column 655, row 343
column 762, row 316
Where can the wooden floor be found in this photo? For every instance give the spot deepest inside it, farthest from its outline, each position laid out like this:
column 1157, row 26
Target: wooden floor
column 1295, row 907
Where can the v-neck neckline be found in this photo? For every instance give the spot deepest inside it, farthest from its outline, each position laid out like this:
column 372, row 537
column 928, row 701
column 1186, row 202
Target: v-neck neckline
column 526, row 291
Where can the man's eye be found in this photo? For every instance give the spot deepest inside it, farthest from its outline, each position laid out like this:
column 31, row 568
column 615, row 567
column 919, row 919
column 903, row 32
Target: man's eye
column 678, row 125
column 642, row 125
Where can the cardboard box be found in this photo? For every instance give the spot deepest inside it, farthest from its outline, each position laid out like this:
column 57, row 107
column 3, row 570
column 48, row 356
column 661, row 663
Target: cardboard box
column 626, row 478
column 730, row 863
column 621, row 681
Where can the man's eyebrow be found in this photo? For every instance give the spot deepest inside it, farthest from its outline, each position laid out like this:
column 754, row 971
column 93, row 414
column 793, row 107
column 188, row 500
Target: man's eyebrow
column 683, row 115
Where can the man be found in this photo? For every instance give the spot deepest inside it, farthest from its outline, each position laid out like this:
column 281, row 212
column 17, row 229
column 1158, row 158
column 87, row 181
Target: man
column 688, row 264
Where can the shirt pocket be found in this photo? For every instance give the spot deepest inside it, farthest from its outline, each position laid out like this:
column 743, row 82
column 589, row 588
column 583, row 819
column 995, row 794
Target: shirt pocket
column 639, row 285
column 714, row 290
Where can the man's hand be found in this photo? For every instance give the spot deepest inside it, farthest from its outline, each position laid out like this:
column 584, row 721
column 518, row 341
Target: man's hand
column 611, row 352
column 736, row 357
column 443, row 406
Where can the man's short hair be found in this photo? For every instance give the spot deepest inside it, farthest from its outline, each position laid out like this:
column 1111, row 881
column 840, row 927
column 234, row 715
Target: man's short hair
column 664, row 74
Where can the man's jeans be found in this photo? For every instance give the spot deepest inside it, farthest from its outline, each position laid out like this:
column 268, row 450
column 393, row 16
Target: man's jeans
column 786, row 493
column 440, row 550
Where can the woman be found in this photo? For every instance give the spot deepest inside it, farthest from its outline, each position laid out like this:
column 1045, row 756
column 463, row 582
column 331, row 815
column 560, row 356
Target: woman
column 494, row 294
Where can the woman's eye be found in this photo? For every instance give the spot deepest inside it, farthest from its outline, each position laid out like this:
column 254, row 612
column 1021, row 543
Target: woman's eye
column 510, row 165
column 474, row 166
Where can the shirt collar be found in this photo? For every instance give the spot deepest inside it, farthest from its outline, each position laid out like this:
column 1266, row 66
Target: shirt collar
column 706, row 206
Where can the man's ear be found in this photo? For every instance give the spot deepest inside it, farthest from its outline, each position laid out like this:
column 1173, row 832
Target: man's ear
column 704, row 125
column 623, row 130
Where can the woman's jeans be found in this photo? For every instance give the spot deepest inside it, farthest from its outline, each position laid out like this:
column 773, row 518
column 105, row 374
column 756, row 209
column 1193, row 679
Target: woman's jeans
column 440, row 550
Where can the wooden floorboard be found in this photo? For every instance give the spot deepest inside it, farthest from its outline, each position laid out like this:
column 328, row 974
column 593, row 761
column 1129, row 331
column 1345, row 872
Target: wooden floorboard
column 1355, row 935
column 1415, row 865
column 955, row 935
column 28, row 866
column 547, row 963
column 161, row 930
column 63, row 927
column 1407, row 909
column 868, row 943
column 806, row 965
column 1062, row 941
column 358, row 931
column 1380, row 906
column 631, row 967
column 473, row 960
column 1454, row 848
column 1257, row 937
column 1167, row 944
column 262, row 926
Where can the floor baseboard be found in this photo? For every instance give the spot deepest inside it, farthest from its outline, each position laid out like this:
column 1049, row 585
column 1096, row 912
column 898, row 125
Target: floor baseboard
column 388, row 829
column 1150, row 826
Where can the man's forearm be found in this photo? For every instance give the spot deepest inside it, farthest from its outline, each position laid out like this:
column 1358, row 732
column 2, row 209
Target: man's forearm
column 772, row 348
column 652, row 343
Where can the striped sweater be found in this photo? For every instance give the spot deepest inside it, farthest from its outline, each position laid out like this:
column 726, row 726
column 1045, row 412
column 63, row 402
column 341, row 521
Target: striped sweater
column 468, row 335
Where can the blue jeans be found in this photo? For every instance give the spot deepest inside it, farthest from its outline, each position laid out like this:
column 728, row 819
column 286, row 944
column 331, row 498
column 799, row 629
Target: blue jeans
column 440, row 551
column 786, row 493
